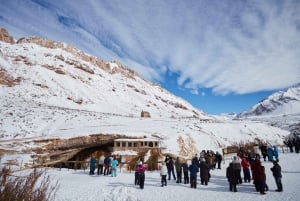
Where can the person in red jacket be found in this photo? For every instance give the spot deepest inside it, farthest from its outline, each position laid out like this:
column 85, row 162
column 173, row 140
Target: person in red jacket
column 246, row 169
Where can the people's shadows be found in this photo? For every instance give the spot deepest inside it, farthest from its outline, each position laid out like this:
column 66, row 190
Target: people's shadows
column 220, row 183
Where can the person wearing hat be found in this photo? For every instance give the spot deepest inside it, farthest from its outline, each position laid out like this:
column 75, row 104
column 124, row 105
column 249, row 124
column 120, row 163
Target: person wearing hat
column 276, row 170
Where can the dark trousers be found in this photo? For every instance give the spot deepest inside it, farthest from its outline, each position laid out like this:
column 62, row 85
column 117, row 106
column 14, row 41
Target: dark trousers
column 100, row 169
column 106, row 170
column 179, row 176
column 260, row 186
column 193, row 181
column 203, row 181
column 232, row 187
column 141, row 179
column 219, row 164
column 136, row 178
column 163, row 180
column 278, row 183
column 247, row 176
column 171, row 170
column 186, row 177
column 92, row 169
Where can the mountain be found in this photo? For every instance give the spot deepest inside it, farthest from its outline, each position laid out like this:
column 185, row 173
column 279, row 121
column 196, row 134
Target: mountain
column 42, row 71
column 286, row 102
column 51, row 90
column 281, row 109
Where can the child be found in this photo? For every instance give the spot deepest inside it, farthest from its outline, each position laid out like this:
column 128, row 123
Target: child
column 163, row 174
column 276, row 169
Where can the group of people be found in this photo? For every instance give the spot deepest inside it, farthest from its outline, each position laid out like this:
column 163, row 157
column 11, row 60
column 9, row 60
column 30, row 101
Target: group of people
column 203, row 164
column 252, row 166
column 208, row 160
column 107, row 165
column 269, row 152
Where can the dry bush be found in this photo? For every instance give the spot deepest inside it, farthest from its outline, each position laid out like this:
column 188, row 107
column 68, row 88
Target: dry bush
column 33, row 187
column 152, row 162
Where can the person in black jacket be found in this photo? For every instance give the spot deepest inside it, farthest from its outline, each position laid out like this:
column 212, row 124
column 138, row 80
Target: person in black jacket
column 232, row 177
column 170, row 166
column 276, row 169
column 218, row 159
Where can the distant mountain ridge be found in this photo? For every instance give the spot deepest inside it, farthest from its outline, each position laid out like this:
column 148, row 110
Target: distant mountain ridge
column 285, row 102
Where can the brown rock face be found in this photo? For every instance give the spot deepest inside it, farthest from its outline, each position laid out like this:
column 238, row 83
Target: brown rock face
column 5, row 37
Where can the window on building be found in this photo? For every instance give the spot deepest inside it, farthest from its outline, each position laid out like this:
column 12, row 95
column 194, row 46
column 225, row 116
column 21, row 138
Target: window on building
column 129, row 144
column 150, row 144
column 135, row 144
column 156, row 144
column 118, row 144
column 123, row 144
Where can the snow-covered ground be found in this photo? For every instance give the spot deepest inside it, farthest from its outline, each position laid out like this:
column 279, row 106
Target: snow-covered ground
column 78, row 185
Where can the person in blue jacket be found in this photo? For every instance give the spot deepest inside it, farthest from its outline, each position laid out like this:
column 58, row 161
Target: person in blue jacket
column 276, row 152
column 114, row 165
column 92, row 165
column 193, row 168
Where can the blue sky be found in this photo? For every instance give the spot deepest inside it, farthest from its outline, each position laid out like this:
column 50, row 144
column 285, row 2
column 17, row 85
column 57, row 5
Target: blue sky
column 221, row 56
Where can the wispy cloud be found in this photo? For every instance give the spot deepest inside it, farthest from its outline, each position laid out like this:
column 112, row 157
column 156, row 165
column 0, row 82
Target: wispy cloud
column 238, row 48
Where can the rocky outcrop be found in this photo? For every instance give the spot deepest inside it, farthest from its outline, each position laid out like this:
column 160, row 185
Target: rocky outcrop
column 5, row 37
column 55, row 151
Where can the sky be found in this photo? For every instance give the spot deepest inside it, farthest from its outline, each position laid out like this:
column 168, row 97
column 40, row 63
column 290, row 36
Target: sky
column 221, row 56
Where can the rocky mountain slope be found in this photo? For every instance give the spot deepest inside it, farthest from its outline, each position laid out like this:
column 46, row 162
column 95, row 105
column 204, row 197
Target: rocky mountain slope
column 51, row 90
column 281, row 109
column 285, row 102
column 40, row 71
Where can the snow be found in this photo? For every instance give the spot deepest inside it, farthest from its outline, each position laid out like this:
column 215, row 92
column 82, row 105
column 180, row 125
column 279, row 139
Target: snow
column 78, row 185
column 43, row 105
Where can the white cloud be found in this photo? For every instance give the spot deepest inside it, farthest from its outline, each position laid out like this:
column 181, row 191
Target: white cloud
column 240, row 48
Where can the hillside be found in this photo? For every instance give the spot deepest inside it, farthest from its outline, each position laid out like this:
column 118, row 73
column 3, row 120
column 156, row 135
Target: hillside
column 281, row 109
column 51, row 90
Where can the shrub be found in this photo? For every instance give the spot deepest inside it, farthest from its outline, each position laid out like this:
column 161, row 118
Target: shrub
column 33, row 187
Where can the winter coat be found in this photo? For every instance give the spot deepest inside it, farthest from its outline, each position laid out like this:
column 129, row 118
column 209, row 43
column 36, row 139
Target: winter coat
column 170, row 163
column 257, row 171
column 245, row 164
column 141, row 168
column 107, row 161
column 93, row 162
column 275, row 151
column 195, row 161
column 178, row 165
column 236, row 164
column 218, row 157
column 276, row 170
column 193, row 170
column 204, row 170
column 101, row 160
column 114, row 164
column 231, row 174
column 163, row 170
